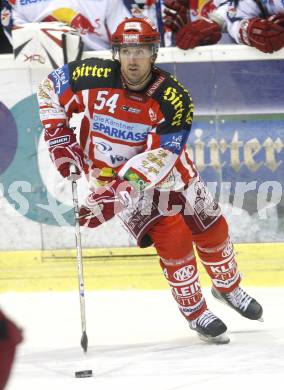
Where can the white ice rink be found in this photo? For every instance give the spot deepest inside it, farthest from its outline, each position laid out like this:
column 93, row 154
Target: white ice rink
column 138, row 340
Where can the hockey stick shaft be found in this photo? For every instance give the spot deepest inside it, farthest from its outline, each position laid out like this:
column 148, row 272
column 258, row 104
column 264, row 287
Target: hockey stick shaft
column 80, row 271
column 160, row 23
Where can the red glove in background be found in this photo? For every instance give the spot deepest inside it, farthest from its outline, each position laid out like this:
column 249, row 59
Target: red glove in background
column 82, row 24
column 175, row 14
column 10, row 336
column 198, row 33
column 277, row 19
column 263, row 34
column 65, row 150
column 106, row 202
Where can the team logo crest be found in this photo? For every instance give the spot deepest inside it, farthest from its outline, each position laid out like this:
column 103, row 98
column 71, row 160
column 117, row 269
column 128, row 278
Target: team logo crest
column 152, row 115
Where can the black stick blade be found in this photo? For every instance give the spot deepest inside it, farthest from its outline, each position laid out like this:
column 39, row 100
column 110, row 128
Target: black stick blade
column 83, row 374
column 84, row 341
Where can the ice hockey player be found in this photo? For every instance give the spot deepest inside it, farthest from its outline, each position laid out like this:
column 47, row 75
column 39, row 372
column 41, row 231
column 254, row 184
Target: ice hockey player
column 136, row 124
column 191, row 29
column 257, row 23
column 94, row 19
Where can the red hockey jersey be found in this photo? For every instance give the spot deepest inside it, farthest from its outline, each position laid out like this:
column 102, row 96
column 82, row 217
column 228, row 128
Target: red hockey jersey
column 140, row 135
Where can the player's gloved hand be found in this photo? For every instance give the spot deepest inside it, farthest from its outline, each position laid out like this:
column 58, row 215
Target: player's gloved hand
column 64, row 150
column 82, row 24
column 106, row 202
column 175, row 14
column 106, row 176
column 277, row 19
column 200, row 32
column 263, row 34
column 10, row 336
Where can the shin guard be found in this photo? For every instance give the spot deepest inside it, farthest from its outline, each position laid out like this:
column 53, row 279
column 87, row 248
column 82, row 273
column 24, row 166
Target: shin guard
column 183, row 278
column 216, row 253
column 221, row 266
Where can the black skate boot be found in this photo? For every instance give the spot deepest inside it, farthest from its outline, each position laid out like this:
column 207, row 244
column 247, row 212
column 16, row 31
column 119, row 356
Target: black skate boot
column 240, row 301
column 210, row 328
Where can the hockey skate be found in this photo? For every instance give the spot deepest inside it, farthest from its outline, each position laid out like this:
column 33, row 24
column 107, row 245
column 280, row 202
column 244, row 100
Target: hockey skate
column 210, row 328
column 240, row 301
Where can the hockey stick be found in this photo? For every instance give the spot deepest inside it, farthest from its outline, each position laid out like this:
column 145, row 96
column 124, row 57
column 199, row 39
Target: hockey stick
column 84, row 338
column 160, row 23
column 65, row 49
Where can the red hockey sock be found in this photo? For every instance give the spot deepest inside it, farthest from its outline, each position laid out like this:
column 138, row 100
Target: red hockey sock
column 216, row 253
column 183, row 278
column 173, row 242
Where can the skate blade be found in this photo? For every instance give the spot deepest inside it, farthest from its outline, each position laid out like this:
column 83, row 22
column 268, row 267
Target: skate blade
column 221, row 339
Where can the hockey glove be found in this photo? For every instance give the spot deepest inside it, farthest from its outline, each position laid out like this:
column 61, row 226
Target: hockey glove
column 263, row 34
column 106, row 202
column 175, row 14
column 198, row 33
column 277, row 19
column 10, row 336
column 65, row 150
column 82, row 24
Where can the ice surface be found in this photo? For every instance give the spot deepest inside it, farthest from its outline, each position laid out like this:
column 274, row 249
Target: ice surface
column 138, row 340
